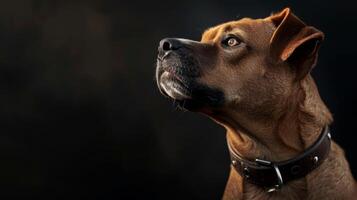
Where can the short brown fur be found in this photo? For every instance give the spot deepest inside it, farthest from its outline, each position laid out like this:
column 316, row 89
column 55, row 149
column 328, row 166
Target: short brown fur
column 278, row 121
column 272, row 107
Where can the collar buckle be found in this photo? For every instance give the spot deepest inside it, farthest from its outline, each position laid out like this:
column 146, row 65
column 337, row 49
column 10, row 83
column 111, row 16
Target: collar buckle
column 280, row 181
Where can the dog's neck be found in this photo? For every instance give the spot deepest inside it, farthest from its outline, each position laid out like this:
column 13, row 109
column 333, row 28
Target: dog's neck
column 284, row 137
column 285, row 133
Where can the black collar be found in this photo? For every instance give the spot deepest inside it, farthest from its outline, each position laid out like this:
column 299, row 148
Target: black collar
column 273, row 175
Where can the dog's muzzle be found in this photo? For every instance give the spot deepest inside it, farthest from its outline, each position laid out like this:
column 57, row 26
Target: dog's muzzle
column 177, row 72
column 176, row 68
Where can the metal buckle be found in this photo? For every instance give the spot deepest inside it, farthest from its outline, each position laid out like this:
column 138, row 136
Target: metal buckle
column 277, row 172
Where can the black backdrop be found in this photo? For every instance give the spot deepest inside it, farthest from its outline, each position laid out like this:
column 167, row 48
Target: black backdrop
column 81, row 117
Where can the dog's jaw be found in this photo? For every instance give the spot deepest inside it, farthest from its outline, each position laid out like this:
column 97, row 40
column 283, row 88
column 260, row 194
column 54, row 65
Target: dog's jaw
column 173, row 88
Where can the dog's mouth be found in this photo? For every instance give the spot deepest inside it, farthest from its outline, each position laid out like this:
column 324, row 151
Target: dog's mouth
column 176, row 76
column 172, row 80
column 173, row 86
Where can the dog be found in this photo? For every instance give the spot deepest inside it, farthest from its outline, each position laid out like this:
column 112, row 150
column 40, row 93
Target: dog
column 252, row 76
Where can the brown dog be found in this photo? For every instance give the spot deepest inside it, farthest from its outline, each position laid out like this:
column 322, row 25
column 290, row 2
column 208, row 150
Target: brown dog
column 252, row 76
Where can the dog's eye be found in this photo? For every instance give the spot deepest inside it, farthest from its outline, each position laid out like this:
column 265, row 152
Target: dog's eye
column 231, row 41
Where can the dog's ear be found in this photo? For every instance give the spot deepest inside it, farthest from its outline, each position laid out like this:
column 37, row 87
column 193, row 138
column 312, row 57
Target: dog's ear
column 294, row 42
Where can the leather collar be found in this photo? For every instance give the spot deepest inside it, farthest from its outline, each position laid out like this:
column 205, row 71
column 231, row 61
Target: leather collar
column 273, row 175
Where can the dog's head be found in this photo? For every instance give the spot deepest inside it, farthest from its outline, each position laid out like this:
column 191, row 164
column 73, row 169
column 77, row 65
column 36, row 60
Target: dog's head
column 250, row 63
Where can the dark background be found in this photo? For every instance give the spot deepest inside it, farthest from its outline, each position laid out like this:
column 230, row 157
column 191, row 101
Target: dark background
column 81, row 117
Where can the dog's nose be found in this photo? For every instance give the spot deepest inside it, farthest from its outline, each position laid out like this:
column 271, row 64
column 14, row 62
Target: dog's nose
column 168, row 44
